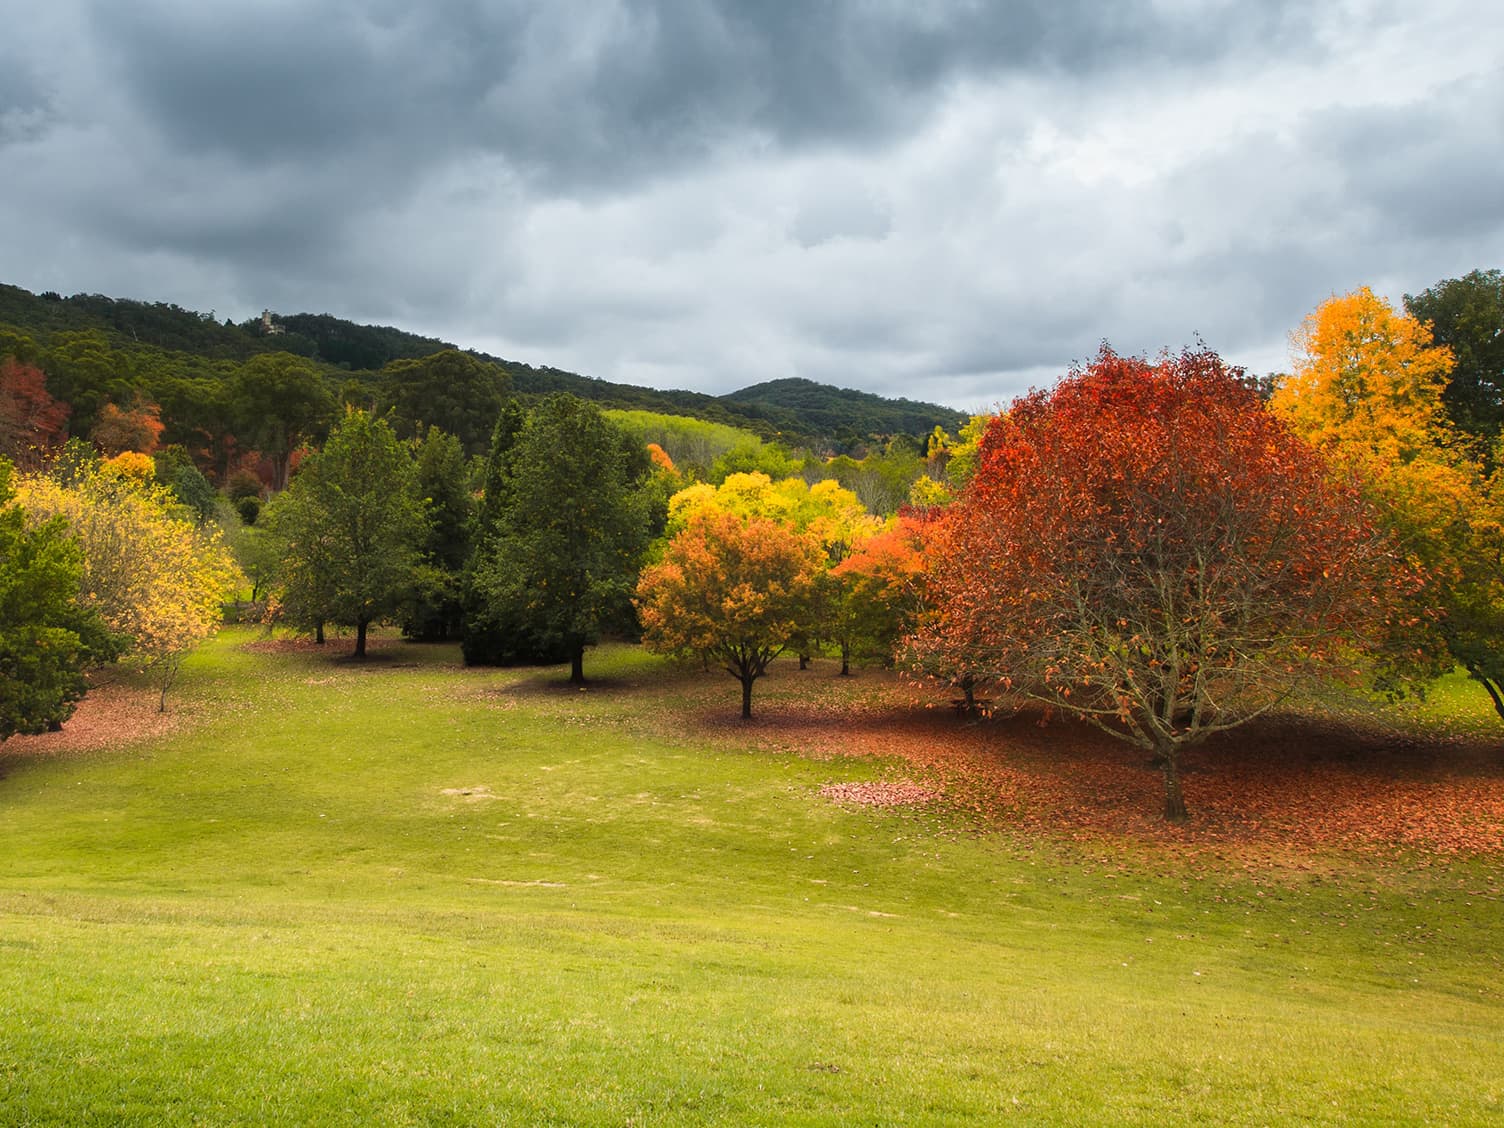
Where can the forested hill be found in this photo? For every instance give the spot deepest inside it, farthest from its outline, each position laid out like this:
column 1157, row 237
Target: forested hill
column 843, row 411
column 795, row 411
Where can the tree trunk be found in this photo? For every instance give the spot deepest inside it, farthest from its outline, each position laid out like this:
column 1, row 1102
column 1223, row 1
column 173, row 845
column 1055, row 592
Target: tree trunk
column 803, row 660
column 577, row 666
column 318, row 634
column 845, row 659
column 747, row 680
column 1494, row 690
column 1174, row 798
column 169, row 675
column 360, row 638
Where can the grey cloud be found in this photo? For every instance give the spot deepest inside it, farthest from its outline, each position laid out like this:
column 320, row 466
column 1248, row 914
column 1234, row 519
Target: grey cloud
column 20, row 90
column 923, row 199
column 25, row 107
column 584, row 94
column 1431, row 170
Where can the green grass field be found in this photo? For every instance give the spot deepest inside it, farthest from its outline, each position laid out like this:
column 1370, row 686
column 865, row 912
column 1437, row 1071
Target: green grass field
column 412, row 893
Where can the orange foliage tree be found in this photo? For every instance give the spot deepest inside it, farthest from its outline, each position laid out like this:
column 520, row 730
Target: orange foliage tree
column 661, row 460
column 1145, row 547
column 136, row 428
column 730, row 589
column 825, row 511
column 879, row 591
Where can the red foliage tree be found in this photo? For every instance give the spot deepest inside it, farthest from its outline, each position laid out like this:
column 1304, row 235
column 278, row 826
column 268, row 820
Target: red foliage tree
column 1147, row 548
column 31, row 421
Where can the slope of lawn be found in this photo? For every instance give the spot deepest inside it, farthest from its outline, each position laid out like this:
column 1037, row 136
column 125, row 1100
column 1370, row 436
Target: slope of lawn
column 407, row 892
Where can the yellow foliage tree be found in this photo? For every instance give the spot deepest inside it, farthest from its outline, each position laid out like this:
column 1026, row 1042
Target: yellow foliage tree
column 152, row 574
column 132, row 464
column 1367, row 390
column 1367, row 384
column 829, row 511
column 826, row 513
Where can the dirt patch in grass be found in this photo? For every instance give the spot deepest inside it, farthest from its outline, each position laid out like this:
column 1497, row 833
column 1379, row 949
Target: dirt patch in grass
column 880, row 793
column 480, row 794
column 110, row 716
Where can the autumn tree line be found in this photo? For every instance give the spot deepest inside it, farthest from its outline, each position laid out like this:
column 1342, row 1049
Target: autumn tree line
column 1162, row 547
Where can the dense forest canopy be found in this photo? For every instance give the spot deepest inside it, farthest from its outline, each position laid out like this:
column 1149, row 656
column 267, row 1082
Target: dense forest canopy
column 165, row 343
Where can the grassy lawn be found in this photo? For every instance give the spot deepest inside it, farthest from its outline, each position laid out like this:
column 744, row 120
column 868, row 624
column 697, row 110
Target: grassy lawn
column 1457, row 702
column 407, row 892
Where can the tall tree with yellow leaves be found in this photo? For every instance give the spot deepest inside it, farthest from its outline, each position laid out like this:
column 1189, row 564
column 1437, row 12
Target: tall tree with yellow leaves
column 1367, row 383
column 1368, row 390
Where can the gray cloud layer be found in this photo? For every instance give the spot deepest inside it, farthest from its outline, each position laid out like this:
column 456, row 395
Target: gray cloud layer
column 943, row 200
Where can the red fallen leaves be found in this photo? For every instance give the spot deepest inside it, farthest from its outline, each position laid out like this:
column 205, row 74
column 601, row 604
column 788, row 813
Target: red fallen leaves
column 1286, row 787
column 108, row 716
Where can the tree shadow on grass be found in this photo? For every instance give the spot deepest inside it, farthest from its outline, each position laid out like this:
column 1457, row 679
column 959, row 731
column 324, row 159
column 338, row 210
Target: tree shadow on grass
column 1285, row 785
column 553, row 681
column 337, row 650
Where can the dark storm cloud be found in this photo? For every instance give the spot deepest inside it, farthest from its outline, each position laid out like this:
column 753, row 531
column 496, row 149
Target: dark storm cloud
column 586, row 94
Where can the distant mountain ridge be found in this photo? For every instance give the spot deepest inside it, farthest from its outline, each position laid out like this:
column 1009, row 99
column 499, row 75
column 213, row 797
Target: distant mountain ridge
column 793, row 410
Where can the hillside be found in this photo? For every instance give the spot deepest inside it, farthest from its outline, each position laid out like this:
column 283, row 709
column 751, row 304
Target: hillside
column 796, row 412
column 837, row 411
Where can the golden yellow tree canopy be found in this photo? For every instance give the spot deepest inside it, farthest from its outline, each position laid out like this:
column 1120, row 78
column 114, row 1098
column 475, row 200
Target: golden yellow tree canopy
column 1366, row 378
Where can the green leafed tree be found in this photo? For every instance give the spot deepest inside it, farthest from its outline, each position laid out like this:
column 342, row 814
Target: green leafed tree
column 1467, row 316
column 435, row 611
column 45, row 636
column 280, row 401
column 351, row 524
column 451, row 390
column 566, row 525
column 84, row 372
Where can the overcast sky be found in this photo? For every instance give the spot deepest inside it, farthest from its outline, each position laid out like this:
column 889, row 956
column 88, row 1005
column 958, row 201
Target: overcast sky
column 948, row 200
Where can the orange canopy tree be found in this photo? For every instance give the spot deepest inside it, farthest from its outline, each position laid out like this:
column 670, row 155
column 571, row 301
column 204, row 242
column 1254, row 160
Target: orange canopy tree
column 878, row 594
column 1145, row 547
column 732, row 589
